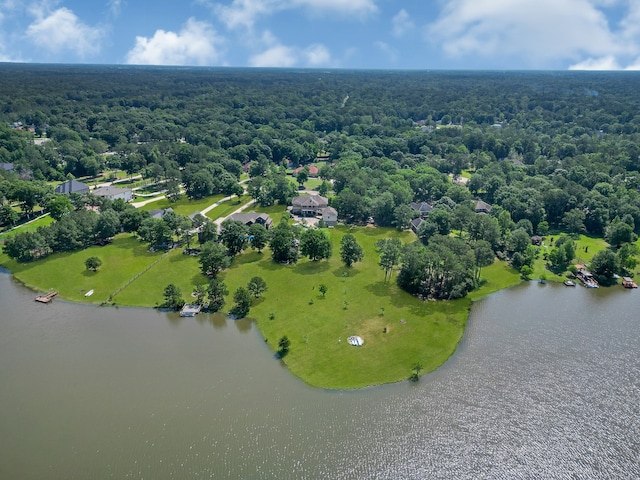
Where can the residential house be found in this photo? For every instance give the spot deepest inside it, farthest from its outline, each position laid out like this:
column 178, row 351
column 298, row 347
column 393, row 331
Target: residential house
column 482, row 207
column 7, row 167
column 423, row 208
column 72, row 186
column 308, row 205
column 313, row 171
column 113, row 193
column 415, row 224
column 253, row 217
column 159, row 214
column 330, row 216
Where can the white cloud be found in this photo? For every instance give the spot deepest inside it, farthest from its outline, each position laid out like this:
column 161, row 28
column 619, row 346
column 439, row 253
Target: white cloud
column 276, row 56
column 538, row 31
column 317, row 56
column 386, row 49
column 282, row 56
column 401, row 23
column 604, row 63
column 63, row 30
column 196, row 44
column 244, row 13
column 115, row 7
column 635, row 65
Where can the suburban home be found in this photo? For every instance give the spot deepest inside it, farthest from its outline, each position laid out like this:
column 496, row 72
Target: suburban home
column 423, row 208
column 113, row 193
column 72, row 186
column 313, row 171
column 7, row 167
column 482, row 207
column 415, row 224
column 330, row 216
column 252, row 217
column 308, row 205
column 159, row 214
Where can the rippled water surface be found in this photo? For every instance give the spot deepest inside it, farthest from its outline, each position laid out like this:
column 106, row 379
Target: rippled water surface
column 545, row 384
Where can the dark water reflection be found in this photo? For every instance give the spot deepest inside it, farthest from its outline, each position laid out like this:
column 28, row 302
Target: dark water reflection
column 545, row 384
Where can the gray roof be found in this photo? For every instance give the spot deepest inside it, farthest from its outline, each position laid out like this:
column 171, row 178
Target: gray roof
column 160, row 213
column 481, row 205
column 72, row 186
column 7, row 166
column 422, row 207
column 251, row 217
column 310, row 201
column 109, row 191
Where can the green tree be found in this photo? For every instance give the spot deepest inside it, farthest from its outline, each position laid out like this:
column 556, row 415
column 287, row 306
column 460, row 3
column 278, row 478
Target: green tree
column 242, row 300
column 283, row 346
column 619, row 232
column 484, row 257
column 257, row 286
column 323, row 289
column 390, row 250
column 315, row 244
column 173, row 297
column 213, row 259
column 284, row 248
column 573, row 220
column 258, row 236
column 107, row 225
column 59, row 206
column 216, row 291
column 605, row 264
column 93, row 263
column 350, row 250
column 8, row 216
column 233, row 235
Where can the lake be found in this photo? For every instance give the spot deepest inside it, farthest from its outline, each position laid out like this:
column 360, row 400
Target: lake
column 544, row 384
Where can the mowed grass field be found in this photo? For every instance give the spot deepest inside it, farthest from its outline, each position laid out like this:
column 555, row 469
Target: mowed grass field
column 398, row 329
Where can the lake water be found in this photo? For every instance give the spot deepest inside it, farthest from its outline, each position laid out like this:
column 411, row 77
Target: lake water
column 545, row 384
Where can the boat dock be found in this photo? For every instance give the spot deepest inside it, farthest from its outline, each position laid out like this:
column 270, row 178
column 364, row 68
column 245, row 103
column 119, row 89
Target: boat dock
column 46, row 298
column 190, row 310
column 586, row 277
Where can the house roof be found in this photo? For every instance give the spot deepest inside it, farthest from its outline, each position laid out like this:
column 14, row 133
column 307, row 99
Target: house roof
column 310, row 201
column 329, row 211
column 482, row 206
column 250, row 217
column 160, row 213
column 416, row 222
column 313, row 170
column 6, row 166
column 110, row 191
column 72, row 186
column 422, row 207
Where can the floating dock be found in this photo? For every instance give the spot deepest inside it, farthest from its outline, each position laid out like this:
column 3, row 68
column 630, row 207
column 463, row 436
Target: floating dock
column 190, row 310
column 46, row 298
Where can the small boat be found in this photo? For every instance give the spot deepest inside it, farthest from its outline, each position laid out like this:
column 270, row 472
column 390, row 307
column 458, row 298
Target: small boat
column 89, row 293
column 569, row 283
column 627, row 282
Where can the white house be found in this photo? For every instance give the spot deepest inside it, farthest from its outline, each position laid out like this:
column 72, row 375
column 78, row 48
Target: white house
column 330, row 216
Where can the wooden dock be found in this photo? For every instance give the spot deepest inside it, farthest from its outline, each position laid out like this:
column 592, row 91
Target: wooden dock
column 46, row 298
column 190, row 310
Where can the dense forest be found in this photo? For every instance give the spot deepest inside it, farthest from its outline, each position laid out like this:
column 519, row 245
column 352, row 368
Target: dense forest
column 549, row 151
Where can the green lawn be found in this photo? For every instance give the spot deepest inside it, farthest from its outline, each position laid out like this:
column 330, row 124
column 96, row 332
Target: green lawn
column 228, row 207
column 417, row 331
column 28, row 227
column 184, row 206
column 66, row 272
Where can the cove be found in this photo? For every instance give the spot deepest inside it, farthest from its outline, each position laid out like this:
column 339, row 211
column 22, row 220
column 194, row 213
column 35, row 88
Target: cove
column 543, row 384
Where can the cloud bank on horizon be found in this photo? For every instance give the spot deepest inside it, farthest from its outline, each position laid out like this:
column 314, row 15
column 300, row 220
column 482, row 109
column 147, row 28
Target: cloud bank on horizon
column 444, row 34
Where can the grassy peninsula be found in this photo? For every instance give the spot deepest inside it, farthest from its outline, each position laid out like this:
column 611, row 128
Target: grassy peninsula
column 357, row 302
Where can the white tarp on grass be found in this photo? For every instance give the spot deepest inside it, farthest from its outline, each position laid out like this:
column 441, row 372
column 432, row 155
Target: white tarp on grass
column 355, row 341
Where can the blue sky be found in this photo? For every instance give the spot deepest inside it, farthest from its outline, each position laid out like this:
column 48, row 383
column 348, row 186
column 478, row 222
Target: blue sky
column 418, row 34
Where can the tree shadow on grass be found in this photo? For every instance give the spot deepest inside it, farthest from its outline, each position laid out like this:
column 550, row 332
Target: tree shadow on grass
column 251, row 257
column 89, row 273
column 311, row 268
column 349, row 271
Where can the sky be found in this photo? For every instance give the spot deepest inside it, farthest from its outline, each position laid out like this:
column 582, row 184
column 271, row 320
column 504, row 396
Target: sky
column 375, row 34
